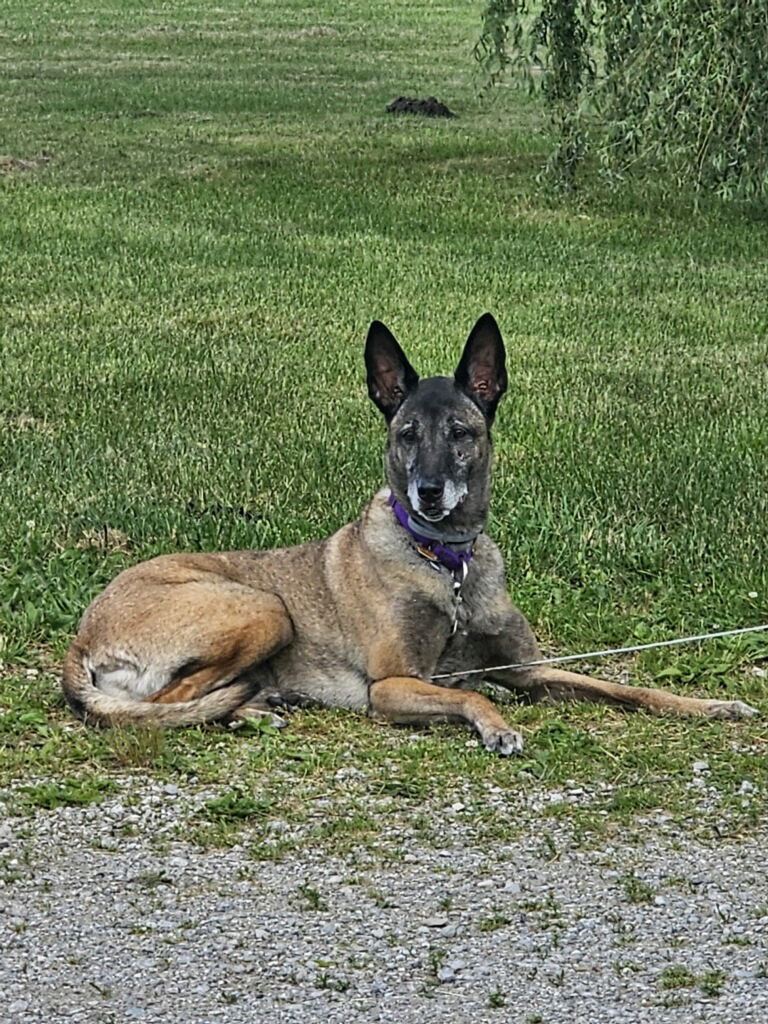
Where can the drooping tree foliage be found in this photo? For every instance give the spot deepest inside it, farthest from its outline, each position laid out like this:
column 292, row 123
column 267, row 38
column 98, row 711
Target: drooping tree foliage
column 681, row 84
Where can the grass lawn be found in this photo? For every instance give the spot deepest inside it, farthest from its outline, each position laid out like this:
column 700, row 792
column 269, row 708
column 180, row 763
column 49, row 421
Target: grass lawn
column 202, row 210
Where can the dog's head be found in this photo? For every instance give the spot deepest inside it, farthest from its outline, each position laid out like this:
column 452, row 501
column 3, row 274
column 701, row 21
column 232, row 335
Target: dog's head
column 439, row 451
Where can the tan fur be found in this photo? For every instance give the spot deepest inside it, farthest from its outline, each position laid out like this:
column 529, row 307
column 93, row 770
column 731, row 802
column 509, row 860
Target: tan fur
column 359, row 620
column 411, row 701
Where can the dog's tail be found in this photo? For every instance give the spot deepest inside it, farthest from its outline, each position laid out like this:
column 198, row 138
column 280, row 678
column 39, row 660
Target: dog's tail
column 98, row 708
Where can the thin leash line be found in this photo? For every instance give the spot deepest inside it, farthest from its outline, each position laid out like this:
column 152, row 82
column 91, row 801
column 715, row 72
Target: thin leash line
column 602, row 654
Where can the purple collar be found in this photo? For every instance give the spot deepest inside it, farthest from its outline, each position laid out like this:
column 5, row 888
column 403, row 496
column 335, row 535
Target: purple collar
column 453, row 558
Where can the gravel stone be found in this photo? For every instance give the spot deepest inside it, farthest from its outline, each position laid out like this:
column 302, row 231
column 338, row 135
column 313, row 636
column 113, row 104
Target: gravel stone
column 98, row 926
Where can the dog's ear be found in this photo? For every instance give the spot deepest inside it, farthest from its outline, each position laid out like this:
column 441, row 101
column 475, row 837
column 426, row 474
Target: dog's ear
column 481, row 373
column 390, row 376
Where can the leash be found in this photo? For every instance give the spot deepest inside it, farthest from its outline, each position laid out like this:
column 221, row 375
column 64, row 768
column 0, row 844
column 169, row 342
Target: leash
column 603, row 654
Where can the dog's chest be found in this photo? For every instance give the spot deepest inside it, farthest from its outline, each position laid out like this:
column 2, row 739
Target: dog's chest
column 470, row 602
column 434, row 616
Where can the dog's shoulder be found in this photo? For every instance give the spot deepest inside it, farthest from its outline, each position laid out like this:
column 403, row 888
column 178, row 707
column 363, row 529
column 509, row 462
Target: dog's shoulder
column 380, row 553
column 379, row 530
column 487, row 554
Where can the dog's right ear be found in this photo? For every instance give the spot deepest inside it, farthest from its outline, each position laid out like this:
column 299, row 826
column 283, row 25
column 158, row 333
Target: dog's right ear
column 391, row 377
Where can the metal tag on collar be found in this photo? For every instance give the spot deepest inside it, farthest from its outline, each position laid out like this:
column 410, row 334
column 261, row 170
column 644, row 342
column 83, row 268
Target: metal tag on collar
column 459, row 577
column 458, row 582
column 430, row 556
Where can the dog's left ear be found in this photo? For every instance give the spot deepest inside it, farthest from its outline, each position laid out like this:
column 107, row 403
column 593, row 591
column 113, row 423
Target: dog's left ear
column 390, row 376
column 481, row 373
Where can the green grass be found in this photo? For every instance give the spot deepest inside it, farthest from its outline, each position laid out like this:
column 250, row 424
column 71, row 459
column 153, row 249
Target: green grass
column 711, row 983
column 186, row 287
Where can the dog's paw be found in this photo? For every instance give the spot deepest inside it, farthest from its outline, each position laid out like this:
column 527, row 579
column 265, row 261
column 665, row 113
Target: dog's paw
column 505, row 743
column 730, row 709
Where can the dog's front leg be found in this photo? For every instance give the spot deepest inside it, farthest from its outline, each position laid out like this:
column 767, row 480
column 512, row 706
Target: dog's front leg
column 546, row 682
column 557, row 684
column 515, row 644
column 406, row 700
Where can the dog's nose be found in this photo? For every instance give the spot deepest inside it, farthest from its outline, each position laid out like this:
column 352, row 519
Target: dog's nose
column 430, row 492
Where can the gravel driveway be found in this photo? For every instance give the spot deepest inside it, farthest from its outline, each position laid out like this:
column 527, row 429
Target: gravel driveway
column 146, row 927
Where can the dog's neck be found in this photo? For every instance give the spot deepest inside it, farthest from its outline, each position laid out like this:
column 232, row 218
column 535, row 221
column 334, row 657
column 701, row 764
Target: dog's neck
column 453, row 550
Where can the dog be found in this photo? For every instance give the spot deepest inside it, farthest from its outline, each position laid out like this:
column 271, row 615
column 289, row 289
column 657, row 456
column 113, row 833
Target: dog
column 363, row 619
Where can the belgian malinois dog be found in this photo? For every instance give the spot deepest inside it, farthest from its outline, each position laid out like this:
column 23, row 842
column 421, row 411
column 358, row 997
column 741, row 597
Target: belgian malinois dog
column 363, row 619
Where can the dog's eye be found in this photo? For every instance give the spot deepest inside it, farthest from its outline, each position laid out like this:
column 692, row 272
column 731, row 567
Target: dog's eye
column 408, row 435
column 459, row 433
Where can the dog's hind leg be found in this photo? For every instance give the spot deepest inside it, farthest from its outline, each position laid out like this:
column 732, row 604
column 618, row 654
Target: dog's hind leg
column 173, row 651
column 405, row 700
column 251, row 626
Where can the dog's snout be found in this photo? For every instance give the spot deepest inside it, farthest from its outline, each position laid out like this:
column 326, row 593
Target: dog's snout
column 430, row 491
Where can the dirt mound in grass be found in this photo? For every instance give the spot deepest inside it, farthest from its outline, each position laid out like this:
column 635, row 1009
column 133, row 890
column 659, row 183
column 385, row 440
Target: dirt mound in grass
column 9, row 164
column 430, row 107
